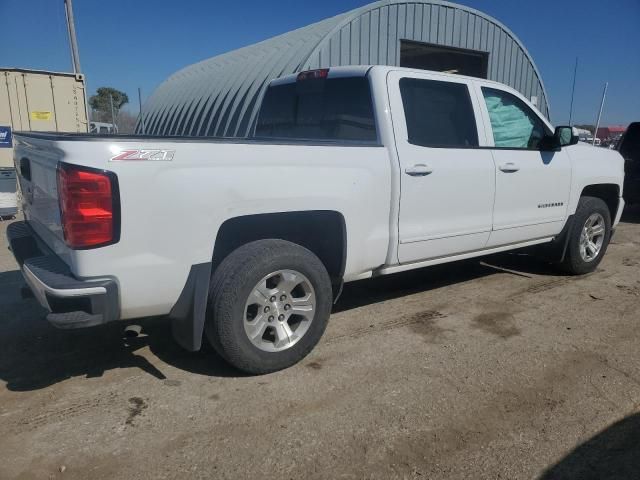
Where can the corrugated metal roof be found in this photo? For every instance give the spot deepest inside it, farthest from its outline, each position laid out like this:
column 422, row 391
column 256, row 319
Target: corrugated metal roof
column 221, row 96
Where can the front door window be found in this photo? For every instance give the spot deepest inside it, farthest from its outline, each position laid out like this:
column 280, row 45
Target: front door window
column 514, row 124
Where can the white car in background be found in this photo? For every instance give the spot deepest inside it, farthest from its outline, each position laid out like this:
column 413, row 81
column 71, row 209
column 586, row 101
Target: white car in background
column 101, row 128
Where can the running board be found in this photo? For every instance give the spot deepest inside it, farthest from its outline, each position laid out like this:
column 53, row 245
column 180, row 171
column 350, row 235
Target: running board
column 464, row 256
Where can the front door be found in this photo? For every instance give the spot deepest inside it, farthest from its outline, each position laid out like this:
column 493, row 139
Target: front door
column 532, row 186
column 447, row 182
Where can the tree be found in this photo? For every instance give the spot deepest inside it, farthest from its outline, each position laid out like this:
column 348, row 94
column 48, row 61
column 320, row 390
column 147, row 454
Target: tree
column 101, row 102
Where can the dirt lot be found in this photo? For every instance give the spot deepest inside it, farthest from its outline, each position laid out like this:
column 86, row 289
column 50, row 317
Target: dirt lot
column 497, row 368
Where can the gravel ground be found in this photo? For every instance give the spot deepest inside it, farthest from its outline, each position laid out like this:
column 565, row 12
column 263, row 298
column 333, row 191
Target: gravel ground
column 493, row 368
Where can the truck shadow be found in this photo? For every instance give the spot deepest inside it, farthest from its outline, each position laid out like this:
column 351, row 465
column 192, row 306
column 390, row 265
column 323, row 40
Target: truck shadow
column 381, row 289
column 35, row 355
column 612, row 454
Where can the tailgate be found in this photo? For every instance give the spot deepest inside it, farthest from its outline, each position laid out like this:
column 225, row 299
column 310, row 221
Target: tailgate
column 36, row 161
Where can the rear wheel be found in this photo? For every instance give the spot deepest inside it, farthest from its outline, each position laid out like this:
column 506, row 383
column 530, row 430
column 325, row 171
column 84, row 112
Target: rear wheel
column 589, row 237
column 269, row 305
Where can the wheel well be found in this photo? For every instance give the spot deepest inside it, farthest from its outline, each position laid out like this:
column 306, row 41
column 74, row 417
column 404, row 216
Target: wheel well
column 322, row 232
column 609, row 193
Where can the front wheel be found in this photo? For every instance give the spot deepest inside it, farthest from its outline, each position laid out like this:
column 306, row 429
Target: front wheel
column 589, row 237
column 269, row 305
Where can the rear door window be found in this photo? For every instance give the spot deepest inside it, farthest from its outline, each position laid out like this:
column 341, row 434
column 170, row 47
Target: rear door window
column 333, row 109
column 438, row 114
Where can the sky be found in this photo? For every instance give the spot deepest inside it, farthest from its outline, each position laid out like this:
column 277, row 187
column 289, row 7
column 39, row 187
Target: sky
column 128, row 44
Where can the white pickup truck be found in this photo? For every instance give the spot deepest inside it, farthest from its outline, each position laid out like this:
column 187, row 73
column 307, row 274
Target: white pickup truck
column 352, row 173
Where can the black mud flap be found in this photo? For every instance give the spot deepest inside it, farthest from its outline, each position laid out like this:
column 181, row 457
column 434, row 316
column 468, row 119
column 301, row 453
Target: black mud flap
column 189, row 313
column 561, row 243
column 556, row 250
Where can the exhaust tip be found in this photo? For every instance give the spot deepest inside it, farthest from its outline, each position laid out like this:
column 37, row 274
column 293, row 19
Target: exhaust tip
column 132, row 331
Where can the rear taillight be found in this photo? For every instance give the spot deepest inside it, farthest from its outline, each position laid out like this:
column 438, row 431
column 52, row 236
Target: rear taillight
column 89, row 206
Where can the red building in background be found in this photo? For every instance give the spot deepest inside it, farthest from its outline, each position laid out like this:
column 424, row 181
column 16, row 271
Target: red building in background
column 610, row 132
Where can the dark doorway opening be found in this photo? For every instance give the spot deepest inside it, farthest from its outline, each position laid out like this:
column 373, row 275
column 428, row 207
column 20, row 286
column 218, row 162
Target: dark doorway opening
column 427, row 56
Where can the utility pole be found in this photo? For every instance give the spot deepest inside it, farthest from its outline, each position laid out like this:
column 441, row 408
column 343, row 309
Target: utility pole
column 73, row 41
column 113, row 115
column 604, row 95
column 573, row 91
column 144, row 130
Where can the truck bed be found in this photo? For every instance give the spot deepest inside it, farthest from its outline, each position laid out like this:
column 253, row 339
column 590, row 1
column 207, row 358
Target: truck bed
column 172, row 209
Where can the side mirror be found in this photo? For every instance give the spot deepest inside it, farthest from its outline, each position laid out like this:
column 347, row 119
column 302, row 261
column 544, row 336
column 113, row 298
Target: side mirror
column 564, row 136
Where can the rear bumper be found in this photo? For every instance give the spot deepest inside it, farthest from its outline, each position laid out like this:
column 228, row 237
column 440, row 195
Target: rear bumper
column 72, row 303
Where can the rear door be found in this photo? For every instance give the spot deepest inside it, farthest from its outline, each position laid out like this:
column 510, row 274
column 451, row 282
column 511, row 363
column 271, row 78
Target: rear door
column 447, row 181
column 532, row 186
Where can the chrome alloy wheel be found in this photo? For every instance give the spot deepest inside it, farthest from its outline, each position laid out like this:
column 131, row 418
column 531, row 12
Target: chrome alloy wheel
column 592, row 237
column 279, row 310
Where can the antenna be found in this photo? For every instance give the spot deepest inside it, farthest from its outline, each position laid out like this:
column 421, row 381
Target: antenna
column 573, row 91
column 604, row 95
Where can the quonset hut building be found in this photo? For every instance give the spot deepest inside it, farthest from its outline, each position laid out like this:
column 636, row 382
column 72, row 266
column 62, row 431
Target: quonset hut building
column 221, row 96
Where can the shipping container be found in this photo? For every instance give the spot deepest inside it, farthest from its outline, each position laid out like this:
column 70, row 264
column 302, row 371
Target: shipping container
column 35, row 101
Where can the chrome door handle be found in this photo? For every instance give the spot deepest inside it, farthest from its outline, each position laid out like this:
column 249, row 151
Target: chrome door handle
column 419, row 170
column 509, row 167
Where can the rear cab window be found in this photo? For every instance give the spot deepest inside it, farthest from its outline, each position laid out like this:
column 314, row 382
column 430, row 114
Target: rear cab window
column 319, row 108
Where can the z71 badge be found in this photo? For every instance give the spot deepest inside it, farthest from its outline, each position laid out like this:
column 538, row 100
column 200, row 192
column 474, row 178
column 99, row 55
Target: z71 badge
column 152, row 155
